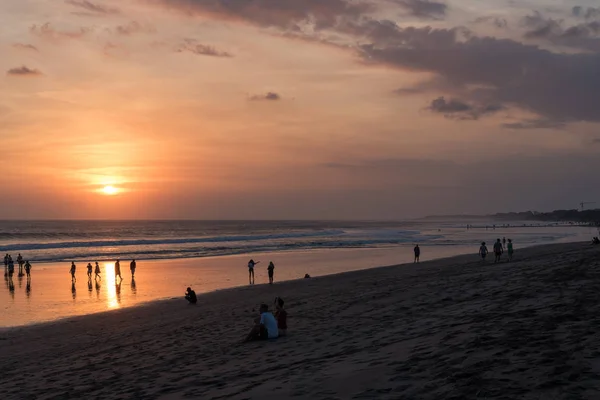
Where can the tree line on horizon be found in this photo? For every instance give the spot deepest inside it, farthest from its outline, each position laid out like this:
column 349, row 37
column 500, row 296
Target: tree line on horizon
column 585, row 216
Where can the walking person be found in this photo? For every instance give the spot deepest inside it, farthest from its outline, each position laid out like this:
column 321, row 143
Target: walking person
column 6, row 265
column 417, row 251
column 97, row 272
column 483, row 251
column 498, row 250
column 20, row 262
column 72, row 271
column 510, row 250
column 28, row 269
column 11, row 267
column 118, row 271
column 132, row 267
column 251, row 265
column 89, row 271
column 270, row 270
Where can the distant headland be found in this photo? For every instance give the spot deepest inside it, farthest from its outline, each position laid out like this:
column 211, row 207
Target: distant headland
column 575, row 216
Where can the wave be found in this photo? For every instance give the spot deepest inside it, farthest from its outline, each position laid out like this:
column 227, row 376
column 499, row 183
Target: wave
column 163, row 241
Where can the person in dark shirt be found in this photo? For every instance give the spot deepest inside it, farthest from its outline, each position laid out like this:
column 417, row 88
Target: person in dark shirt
column 270, row 270
column 280, row 316
column 417, row 251
column 132, row 267
column 190, row 296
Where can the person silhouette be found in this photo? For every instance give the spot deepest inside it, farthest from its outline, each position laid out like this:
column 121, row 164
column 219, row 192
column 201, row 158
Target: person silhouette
column 97, row 272
column 251, row 265
column 20, row 262
column 132, row 267
column 270, row 270
column 28, row 269
column 118, row 271
column 72, row 272
column 89, row 271
column 417, row 251
column 190, row 296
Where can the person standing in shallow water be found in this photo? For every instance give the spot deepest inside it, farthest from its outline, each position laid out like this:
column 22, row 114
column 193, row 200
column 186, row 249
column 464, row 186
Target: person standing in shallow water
column 72, row 271
column 118, row 270
column 28, row 269
column 132, row 267
column 417, row 251
column 97, row 272
column 270, row 270
column 89, row 271
column 251, row 265
column 20, row 262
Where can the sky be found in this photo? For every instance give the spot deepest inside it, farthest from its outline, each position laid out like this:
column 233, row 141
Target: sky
column 297, row 109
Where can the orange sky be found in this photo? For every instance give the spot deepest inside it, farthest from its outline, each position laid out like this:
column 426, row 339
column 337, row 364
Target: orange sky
column 300, row 110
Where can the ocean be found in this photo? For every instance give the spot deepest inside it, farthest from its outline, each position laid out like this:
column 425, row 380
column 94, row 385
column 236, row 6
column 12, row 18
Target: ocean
column 62, row 241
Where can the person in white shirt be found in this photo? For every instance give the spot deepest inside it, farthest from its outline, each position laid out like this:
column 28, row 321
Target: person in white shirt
column 265, row 327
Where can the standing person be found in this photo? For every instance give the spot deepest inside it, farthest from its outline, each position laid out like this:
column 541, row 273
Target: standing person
column 20, row 262
column 72, row 271
column 11, row 267
column 510, row 250
column 118, row 270
column 132, row 267
column 417, row 251
column 28, row 269
column 498, row 250
column 251, row 265
column 504, row 242
column 270, row 270
column 89, row 271
column 483, row 251
column 97, row 272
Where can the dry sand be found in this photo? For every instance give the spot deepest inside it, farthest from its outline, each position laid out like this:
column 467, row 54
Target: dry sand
column 446, row 329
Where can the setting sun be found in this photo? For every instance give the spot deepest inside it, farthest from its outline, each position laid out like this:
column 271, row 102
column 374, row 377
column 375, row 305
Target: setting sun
column 110, row 190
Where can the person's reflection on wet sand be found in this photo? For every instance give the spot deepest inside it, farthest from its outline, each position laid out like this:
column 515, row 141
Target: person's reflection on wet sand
column 73, row 290
column 11, row 288
column 90, row 288
column 28, row 288
column 118, row 287
column 133, row 287
column 20, row 278
column 97, row 289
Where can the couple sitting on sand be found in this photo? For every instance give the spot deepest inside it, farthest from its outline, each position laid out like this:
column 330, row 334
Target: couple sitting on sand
column 269, row 326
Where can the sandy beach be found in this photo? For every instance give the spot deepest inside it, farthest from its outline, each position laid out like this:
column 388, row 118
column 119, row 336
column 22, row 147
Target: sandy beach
column 445, row 329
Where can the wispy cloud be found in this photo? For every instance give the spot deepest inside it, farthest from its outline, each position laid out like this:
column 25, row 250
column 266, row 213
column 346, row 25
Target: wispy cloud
column 271, row 96
column 93, row 7
column 192, row 46
column 24, row 46
column 47, row 31
column 23, row 71
column 458, row 109
column 424, row 8
column 535, row 124
column 135, row 27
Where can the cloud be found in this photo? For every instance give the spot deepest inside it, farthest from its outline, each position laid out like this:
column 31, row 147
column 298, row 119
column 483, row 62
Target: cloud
column 23, row 46
column 584, row 36
column 92, row 7
column 23, row 71
column 48, row 32
column 558, row 86
column 194, row 47
column 424, row 8
column 134, row 27
column 587, row 13
column 500, row 23
column 458, row 109
column 285, row 14
column 535, row 124
column 272, row 96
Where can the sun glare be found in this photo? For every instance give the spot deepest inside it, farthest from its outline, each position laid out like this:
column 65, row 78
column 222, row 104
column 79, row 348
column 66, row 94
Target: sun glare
column 110, row 190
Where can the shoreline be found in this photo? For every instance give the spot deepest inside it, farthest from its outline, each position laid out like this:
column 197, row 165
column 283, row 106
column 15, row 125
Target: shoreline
column 465, row 257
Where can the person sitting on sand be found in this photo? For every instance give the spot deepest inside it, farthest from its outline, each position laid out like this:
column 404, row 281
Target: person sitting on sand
column 498, row 250
column 190, row 296
column 306, row 276
column 132, row 267
column 89, row 271
column 510, row 249
column 251, row 265
column 595, row 240
column 118, row 270
column 270, row 270
column 72, row 271
column 28, row 269
column 417, row 251
column 265, row 327
column 97, row 272
column 280, row 316
column 483, row 251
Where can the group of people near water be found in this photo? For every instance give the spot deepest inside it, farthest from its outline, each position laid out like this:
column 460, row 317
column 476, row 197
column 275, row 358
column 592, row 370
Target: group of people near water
column 97, row 272
column 9, row 266
column 498, row 248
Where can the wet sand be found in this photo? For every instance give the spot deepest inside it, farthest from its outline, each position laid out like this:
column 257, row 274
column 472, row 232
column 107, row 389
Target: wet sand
column 445, row 329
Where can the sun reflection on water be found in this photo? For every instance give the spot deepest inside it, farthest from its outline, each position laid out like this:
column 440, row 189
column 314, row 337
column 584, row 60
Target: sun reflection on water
column 112, row 300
